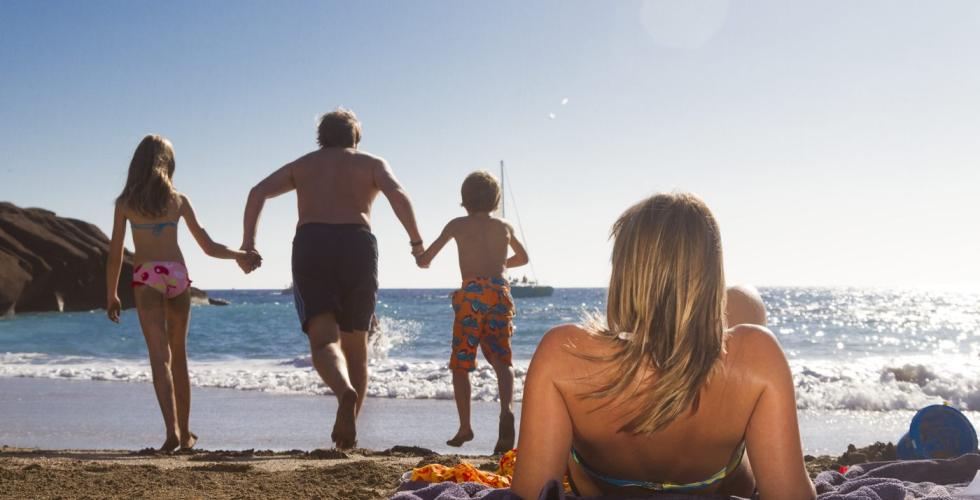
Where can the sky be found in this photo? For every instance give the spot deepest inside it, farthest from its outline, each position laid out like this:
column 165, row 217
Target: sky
column 835, row 141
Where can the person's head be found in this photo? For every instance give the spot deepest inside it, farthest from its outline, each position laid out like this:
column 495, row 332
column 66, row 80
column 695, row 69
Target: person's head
column 338, row 129
column 481, row 192
column 665, row 305
column 148, row 188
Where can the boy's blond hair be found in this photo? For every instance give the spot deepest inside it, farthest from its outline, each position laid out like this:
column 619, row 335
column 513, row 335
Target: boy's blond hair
column 481, row 192
column 667, row 295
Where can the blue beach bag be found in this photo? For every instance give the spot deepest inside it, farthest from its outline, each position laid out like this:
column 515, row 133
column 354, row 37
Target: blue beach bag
column 937, row 431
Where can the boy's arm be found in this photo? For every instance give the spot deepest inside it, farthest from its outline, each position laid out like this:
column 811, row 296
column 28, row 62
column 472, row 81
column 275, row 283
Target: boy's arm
column 277, row 183
column 210, row 247
column 386, row 182
column 520, row 254
column 430, row 253
column 113, row 266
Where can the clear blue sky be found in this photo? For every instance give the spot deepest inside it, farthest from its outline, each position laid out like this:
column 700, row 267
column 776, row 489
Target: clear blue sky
column 837, row 142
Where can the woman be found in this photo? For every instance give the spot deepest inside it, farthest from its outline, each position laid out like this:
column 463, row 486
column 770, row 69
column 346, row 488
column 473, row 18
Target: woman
column 662, row 395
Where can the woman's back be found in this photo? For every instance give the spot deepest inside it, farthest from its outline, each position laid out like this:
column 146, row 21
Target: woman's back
column 657, row 395
column 690, row 450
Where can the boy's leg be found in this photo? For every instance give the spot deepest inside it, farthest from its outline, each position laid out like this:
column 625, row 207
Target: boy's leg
column 178, row 319
column 506, row 434
column 461, row 390
column 330, row 364
column 355, row 348
column 150, row 308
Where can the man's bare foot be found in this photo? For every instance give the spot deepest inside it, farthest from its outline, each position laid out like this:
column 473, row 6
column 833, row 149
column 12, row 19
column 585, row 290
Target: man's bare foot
column 170, row 444
column 506, row 433
column 191, row 441
column 461, row 437
column 344, row 433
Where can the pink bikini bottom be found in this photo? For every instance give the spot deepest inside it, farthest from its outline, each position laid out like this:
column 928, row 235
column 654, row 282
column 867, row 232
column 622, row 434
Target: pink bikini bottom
column 168, row 278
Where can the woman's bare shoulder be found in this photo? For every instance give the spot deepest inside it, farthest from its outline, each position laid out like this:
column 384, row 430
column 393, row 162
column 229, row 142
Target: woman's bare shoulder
column 569, row 350
column 755, row 349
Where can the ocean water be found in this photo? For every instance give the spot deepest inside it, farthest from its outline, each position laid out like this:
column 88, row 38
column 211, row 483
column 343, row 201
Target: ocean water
column 849, row 349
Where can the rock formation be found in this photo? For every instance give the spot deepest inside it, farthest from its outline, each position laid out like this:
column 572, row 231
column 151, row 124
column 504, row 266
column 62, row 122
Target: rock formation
column 51, row 263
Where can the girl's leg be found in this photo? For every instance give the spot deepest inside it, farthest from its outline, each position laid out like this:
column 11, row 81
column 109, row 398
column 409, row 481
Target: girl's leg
column 151, row 309
column 461, row 390
column 178, row 320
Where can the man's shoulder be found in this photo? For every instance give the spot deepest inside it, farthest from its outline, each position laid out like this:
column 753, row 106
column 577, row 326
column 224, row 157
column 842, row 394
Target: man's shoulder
column 374, row 159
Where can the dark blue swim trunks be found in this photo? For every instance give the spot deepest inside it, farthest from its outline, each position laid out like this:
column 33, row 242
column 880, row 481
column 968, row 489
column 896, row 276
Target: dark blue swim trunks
column 335, row 269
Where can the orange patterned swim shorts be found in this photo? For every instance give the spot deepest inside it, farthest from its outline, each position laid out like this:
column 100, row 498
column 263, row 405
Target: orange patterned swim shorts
column 484, row 311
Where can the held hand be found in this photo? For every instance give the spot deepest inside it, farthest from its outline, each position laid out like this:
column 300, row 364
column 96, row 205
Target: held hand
column 113, row 308
column 421, row 261
column 249, row 262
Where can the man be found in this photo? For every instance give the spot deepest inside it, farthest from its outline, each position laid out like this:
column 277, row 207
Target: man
column 335, row 256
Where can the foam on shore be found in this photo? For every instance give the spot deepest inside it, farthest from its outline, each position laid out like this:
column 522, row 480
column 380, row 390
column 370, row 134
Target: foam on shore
column 872, row 384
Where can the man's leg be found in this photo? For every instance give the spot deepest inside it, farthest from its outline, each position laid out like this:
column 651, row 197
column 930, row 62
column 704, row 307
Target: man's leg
column 355, row 348
column 329, row 361
column 461, row 390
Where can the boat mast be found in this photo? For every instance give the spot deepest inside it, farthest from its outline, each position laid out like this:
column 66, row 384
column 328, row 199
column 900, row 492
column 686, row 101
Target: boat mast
column 503, row 193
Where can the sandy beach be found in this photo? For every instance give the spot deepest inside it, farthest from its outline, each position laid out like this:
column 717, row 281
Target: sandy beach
column 326, row 473
column 77, row 439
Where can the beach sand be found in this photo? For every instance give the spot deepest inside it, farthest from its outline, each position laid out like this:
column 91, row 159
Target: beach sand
column 79, row 439
column 326, row 474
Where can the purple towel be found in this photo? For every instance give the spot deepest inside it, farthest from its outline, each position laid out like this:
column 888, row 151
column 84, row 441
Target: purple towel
column 899, row 480
column 420, row 490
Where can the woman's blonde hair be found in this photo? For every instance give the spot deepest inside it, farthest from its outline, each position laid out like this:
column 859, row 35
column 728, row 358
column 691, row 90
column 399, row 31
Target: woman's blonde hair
column 149, row 189
column 665, row 308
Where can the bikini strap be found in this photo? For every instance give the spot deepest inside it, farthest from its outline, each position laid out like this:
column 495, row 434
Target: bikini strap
column 156, row 227
column 733, row 464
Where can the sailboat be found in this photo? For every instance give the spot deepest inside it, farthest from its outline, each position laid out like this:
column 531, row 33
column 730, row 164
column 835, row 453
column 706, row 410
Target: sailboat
column 523, row 288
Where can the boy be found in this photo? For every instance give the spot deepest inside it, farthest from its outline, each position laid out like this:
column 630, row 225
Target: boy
column 483, row 305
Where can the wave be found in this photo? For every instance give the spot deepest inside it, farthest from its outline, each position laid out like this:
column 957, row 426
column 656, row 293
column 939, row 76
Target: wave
column 874, row 384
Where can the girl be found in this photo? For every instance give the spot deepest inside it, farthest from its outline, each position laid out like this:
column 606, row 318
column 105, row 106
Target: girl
column 160, row 281
column 673, row 390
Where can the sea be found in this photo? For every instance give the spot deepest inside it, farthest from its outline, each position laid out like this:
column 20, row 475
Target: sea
column 850, row 349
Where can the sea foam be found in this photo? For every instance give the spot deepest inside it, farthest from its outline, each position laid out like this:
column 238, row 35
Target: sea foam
column 875, row 384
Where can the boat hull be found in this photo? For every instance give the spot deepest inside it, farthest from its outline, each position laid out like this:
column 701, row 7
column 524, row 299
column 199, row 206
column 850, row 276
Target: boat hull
column 524, row 292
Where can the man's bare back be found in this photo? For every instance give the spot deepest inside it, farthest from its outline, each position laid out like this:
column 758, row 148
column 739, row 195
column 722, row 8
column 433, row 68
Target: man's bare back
column 337, row 185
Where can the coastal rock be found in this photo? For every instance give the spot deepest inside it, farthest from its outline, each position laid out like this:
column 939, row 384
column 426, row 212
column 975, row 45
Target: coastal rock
column 52, row 263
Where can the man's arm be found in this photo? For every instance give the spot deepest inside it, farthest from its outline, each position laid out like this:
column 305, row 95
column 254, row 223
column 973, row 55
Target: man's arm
column 279, row 182
column 384, row 178
column 520, row 254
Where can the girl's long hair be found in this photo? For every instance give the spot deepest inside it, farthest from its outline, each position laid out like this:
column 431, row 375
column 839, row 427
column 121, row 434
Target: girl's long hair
column 149, row 188
column 665, row 309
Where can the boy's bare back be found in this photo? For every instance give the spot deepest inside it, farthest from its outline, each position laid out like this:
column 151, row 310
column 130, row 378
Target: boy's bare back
column 337, row 185
column 482, row 242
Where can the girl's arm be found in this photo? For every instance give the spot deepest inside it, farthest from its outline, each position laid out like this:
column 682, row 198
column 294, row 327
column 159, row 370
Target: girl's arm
column 546, row 428
column 425, row 258
column 210, row 247
column 520, row 257
column 113, row 266
column 772, row 436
